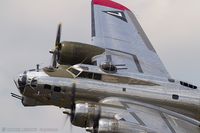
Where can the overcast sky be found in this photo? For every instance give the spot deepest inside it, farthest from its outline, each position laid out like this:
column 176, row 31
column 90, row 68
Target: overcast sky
column 27, row 32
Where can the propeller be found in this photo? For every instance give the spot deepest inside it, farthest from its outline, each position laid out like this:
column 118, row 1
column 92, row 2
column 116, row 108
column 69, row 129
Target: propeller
column 56, row 53
column 70, row 112
column 67, row 120
column 73, row 96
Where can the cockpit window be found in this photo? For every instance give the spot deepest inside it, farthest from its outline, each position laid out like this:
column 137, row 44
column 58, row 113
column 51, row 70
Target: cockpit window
column 74, row 71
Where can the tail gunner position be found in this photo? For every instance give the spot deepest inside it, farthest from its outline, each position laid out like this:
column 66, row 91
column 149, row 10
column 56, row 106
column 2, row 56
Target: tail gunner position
column 116, row 84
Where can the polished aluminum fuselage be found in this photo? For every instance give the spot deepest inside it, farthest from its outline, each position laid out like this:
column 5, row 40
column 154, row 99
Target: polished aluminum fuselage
column 90, row 90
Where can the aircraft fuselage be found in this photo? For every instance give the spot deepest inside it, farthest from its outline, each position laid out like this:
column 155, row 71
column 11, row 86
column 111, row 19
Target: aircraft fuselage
column 54, row 90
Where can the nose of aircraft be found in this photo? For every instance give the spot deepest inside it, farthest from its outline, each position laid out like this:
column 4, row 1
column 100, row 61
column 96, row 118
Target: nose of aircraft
column 20, row 81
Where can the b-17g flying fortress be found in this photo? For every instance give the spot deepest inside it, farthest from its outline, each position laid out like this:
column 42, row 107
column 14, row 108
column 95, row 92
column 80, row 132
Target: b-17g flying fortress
column 116, row 84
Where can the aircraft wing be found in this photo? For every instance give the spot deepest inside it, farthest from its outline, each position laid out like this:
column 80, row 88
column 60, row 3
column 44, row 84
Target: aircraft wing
column 115, row 28
column 140, row 117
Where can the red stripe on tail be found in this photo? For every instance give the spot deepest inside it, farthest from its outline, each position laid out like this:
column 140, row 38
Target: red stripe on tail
column 109, row 3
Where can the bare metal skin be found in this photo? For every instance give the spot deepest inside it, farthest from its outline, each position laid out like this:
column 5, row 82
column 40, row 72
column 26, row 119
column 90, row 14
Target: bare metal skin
column 117, row 84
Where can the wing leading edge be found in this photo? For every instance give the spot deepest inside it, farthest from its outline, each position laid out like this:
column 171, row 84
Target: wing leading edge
column 115, row 28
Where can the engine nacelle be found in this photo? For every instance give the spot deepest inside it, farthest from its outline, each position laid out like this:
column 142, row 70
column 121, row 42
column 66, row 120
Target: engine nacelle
column 88, row 114
column 119, row 126
column 103, row 119
column 85, row 114
column 75, row 52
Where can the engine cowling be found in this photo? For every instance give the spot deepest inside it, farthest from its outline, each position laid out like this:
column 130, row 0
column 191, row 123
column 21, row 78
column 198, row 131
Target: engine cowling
column 75, row 52
column 85, row 115
column 88, row 114
column 119, row 126
column 97, row 118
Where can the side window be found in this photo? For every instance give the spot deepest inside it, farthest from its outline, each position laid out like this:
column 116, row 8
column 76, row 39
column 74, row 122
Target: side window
column 57, row 89
column 90, row 75
column 188, row 85
column 174, row 96
column 94, row 63
column 47, row 87
column 97, row 76
column 85, row 75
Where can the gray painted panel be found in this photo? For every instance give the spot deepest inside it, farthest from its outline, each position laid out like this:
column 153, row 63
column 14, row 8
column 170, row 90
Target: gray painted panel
column 117, row 34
